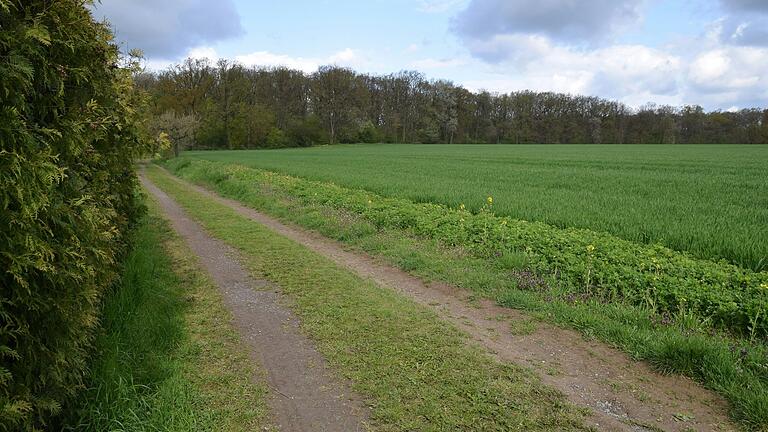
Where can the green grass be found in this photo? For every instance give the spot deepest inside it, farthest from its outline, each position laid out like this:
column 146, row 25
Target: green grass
column 735, row 368
column 416, row 370
column 166, row 358
column 709, row 200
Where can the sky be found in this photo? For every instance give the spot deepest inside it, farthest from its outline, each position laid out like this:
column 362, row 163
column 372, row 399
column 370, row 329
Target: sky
column 712, row 53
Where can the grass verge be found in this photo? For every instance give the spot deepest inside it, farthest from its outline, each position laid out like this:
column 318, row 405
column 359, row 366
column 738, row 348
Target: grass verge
column 167, row 358
column 735, row 368
column 417, row 371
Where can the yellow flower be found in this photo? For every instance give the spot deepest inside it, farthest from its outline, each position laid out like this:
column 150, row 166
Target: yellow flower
column 764, row 286
column 504, row 222
column 370, row 202
column 490, row 200
column 461, row 207
column 591, row 248
column 461, row 220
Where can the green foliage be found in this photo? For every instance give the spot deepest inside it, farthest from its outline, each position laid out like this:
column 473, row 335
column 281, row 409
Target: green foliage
column 276, row 138
column 307, row 132
column 68, row 135
column 585, row 262
column 175, row 133
column 212, row 132
column 368, row 133
column 250, row 126
column 406, row 107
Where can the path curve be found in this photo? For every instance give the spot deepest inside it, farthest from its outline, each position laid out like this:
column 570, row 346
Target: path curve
column 304, row 395
column 622, row 394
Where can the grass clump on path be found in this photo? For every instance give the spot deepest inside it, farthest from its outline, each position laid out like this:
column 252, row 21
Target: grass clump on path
column 417, row 372
column 166, row 357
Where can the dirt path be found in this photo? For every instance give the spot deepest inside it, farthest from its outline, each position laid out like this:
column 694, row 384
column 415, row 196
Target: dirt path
column 305, row 397
column 623, row 395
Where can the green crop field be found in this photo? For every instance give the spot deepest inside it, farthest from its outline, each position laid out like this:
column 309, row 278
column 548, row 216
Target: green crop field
column 708, row 200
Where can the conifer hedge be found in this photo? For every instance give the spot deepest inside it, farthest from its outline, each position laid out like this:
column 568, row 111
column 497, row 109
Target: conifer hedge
column 68, row 135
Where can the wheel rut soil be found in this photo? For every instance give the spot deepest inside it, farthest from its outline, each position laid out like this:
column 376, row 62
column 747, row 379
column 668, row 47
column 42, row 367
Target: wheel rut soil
column 622, row 394
column 305, row 395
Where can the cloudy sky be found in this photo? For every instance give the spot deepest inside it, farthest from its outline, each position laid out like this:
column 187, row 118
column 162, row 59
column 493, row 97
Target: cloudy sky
column 708, row 52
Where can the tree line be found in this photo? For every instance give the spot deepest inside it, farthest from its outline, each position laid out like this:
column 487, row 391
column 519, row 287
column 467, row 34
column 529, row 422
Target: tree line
column 226, row 105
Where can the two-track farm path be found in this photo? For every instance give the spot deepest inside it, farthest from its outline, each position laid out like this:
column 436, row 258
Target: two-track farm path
column 305, row 396
column 621, row 394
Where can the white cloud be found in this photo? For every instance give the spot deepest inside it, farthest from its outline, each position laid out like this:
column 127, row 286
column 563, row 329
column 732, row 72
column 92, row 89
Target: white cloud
column 430, row 63
column 157, row 64
column 346, row 57
column 616, row 71
column 718, row 69
column 204, row 52
column 708, row 67
column 439, row 6
column 266, row 58
column 570, row 83
column 201, row 52
column 704, row 72
column 726, row 75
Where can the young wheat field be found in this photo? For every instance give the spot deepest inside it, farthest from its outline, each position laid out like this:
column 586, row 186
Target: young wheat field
column 708, row 200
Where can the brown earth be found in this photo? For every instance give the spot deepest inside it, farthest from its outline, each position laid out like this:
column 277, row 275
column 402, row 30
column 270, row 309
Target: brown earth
column 622, row 394
column 305, row 396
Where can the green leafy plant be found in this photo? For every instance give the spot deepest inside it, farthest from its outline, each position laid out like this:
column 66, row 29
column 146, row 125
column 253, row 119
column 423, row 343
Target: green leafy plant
column 68, row 134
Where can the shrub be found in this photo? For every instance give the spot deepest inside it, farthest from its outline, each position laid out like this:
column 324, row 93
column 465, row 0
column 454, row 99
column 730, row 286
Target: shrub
column 307, row 132
column 276, row 138
column 68, row 135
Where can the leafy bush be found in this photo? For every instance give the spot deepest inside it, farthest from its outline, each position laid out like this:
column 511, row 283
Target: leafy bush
column 276, row 138
column 306, row 133
column 68, row 135
column 597, row 264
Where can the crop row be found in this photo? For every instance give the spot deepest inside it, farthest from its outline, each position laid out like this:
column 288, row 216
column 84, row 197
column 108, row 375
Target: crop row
column 587, row 262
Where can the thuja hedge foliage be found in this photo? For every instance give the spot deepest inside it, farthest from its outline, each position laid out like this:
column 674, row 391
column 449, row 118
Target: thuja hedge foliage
column 68, row 135
column 586, row 262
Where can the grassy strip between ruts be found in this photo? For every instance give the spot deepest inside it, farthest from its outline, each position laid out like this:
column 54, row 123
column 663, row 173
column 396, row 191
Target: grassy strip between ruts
column 417, row 371
column 735, row 368
column 167, row 357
